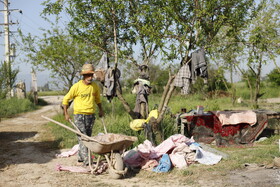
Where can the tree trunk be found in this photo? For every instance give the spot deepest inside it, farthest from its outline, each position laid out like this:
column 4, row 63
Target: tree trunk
column 166, row 89
column 166, row 101
column 258, row 84
column 126, row 105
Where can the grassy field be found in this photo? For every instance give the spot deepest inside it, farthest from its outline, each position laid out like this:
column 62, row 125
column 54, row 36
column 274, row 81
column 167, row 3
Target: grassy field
column 117, row 121
column 261, row 154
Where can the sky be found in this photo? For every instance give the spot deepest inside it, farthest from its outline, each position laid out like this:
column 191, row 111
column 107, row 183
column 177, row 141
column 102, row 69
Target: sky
column 31, row 22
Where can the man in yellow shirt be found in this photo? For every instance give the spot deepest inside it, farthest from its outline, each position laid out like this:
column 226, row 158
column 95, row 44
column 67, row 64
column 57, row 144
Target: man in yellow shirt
column 86, row 95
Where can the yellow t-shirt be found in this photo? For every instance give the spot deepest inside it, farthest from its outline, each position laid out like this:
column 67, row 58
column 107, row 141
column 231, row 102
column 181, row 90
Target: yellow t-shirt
column 85, row 97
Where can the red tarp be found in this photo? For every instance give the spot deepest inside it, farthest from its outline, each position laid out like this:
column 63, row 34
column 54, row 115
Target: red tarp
column 207, row 128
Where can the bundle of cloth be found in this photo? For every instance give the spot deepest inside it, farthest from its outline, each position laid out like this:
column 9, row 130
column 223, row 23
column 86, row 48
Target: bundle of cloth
column 178, row 150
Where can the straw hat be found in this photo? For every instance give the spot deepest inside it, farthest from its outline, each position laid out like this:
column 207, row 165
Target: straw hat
column 87, row 69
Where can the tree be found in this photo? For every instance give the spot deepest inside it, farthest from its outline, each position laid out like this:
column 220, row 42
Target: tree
column 262, row 42
column 3, row 85
column 171, row 28
column 274, row 77
column 6, row 80
column 60, row 53
column 195, row 24
column 253, row 45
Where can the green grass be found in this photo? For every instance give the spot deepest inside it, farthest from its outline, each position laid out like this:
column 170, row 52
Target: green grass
column 13, row 106
column 62, row 138
column 269, row 91
column 117, row 119
column 49, row 93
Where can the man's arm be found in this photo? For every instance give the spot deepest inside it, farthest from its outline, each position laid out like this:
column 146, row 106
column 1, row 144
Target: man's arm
column 66, row 115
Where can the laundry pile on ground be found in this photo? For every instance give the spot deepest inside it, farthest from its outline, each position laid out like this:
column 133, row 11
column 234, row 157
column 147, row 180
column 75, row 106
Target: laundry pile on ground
column 176, row 151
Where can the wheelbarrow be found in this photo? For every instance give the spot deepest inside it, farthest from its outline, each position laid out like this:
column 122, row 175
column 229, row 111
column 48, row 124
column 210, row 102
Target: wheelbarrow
column 107, row 145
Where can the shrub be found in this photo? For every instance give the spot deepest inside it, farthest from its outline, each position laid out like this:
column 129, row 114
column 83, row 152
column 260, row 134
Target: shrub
column 274, row 77
column 10, row 107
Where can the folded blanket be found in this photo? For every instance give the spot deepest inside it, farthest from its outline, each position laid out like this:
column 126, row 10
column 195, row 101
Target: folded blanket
column 236, row 117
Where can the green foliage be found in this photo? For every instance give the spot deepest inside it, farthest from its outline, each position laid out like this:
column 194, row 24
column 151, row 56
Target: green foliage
column 274, row 76
column 199, row 87
column 165, row 27
column 7, row 79
column 13, row 106
column 3, row 82
column 159, row 77
column 249, row 77
column 251, row 46
column 270, row 91
column 60, row 53
column 217, row 80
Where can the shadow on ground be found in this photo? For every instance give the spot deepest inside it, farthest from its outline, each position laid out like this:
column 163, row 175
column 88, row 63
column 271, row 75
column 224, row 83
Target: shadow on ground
column 19, row 148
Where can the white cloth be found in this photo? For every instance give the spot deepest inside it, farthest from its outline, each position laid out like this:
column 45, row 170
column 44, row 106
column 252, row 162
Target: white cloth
column 205, row 157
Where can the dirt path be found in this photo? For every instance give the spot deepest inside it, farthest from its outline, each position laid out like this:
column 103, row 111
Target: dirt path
column 26, row 161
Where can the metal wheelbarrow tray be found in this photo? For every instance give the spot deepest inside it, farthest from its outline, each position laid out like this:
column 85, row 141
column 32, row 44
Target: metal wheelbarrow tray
column 109, row 142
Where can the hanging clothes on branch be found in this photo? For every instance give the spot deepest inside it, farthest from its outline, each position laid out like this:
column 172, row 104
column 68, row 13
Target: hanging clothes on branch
column 183, row 79
column 109, row 77
column 142, row 92
column 112, row 83
column 199, row 65
column 101, row 68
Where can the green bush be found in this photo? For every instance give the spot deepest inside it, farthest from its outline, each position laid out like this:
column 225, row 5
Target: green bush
column 274, row 76
column 10, row 107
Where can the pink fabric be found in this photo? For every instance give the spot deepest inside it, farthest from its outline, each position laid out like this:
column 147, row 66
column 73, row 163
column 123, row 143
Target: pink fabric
column 72, row 169
column 170, row 143
column 236, row 117
column 178, row 155
column 72, row 152
column 146, row 151
column 149, row 164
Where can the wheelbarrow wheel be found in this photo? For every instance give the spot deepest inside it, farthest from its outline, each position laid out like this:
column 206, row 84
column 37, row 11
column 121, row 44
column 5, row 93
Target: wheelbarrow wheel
column 117, row 164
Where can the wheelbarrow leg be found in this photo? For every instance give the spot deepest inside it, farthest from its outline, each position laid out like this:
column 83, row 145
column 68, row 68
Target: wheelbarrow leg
column 116, row 165
column 92, row 170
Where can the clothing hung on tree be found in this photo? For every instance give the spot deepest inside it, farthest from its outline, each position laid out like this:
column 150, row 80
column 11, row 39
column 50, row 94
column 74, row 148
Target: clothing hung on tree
column 109, row 77
column 112, row 83
column 183, row 79
column 101, row 68
column 198, row 65
column 142, row 92
column 144, row 72
column 188, row 73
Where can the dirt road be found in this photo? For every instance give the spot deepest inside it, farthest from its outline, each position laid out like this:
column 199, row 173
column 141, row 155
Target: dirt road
column 25, row 160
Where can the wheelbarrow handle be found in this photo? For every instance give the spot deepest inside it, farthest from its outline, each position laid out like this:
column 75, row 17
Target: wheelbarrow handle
column 66, row 127
column 104, row 125
column 73, row 124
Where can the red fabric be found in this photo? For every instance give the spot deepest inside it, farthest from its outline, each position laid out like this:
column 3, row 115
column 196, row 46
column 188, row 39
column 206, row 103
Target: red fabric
column 212, row 122
column 207, row 128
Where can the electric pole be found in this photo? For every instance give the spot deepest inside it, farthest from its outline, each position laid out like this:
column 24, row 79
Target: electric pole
column 7, row 62
column 7, row 47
